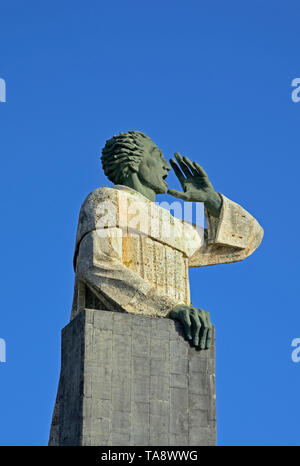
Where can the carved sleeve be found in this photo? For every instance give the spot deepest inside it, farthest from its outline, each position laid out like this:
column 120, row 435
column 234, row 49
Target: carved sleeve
column 232, row 237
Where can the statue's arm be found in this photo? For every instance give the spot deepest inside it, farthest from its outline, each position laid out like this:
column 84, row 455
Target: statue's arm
column 231, row 236
column 99, row 265
column 232, row 233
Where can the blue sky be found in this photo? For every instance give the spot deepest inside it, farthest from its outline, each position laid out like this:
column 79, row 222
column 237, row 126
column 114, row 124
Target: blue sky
column 211, row 80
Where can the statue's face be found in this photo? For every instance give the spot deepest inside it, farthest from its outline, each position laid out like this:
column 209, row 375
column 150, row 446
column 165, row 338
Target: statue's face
column 153, row 169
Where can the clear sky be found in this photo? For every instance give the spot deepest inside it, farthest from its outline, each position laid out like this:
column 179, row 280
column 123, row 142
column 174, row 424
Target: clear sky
column 211, row 80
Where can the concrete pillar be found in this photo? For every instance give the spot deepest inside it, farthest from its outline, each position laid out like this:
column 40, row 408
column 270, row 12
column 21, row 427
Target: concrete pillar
column 132, row 380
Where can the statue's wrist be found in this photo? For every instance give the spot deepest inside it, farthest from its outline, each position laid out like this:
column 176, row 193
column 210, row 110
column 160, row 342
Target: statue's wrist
column 214, row 204
column 173, row 313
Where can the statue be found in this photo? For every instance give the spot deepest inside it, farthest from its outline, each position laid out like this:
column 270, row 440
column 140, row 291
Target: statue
column 142, row 269
column 132, row 259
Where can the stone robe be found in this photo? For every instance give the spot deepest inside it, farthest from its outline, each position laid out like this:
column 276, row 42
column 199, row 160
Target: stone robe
column 133, row 256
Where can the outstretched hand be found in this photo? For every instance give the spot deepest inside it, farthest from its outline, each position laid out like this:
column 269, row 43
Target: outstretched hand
column 195, row 184
column 196, row 324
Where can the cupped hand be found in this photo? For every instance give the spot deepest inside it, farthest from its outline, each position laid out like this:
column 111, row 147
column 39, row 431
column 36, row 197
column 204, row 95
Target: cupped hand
column 195, row 184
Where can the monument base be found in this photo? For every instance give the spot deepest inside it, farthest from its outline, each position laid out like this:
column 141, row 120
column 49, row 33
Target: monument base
column 132, row 380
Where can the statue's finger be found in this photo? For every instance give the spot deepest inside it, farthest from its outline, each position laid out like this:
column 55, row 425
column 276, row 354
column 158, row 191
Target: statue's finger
column 182, row 165
column 210, row 330
column 196, row 328
column 200, row 170
column 179, row 194
column 207, row 316
column 187, row 324
column 203, row 338
column 204, row 329
column 189, row 163
column 208, row 338
column 177, row 171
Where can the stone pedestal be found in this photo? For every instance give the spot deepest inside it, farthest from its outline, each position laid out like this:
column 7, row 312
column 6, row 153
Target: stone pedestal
column 132, row 380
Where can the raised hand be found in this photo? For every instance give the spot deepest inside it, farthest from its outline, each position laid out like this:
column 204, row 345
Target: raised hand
column 196, row 324
column 195, row 184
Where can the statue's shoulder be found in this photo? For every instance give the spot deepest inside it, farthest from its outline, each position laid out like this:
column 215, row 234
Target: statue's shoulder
column 93, row 207
column 99, row 195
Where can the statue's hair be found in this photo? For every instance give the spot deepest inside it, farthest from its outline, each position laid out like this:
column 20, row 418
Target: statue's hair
column 122, row 154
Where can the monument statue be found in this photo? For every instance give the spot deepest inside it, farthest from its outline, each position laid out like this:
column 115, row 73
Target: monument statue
column 147, row 274
column 132, row 256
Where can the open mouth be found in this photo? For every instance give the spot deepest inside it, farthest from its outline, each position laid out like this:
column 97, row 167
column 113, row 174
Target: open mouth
column 164, row 178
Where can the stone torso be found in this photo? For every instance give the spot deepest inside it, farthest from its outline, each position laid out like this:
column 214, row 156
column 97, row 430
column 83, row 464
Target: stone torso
column 150, row 241
column 162, row 266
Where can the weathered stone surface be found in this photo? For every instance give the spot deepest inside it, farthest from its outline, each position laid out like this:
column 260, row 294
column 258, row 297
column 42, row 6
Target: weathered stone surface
column 142, row 267
column 122, row 385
